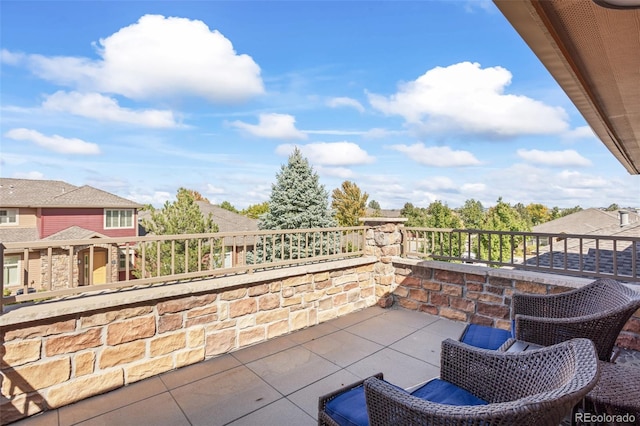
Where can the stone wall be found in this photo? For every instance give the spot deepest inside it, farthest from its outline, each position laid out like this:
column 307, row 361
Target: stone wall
column 481, row 295
column 98, row 343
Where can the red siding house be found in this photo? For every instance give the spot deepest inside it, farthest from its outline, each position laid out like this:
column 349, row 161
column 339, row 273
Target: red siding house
column 36, row 210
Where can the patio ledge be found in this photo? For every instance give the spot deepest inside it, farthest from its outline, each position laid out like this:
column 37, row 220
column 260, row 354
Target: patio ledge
column 87, row 302
column 511, row 274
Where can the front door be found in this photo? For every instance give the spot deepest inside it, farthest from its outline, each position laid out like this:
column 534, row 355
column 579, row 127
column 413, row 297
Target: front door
column 99, row 267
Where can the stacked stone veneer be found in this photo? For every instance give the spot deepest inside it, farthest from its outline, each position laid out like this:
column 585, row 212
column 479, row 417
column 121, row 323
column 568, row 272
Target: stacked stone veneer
column 481, row 295
column 55, row 361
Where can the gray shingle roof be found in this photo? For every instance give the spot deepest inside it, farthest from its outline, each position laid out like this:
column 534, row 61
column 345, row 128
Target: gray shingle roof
column 12, row 235
column 228, row 221
column 75, row 233
column 55, row 193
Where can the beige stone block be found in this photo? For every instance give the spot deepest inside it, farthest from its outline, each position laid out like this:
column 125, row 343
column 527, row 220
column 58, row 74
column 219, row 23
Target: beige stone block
column 242, row 307
column 21, row 406
column 367, row 292
column 169, row 322
column 339, row 299
column 321, row 285
column 295, row 281
column 364, row 268
column 220, row 342
column 20, row 352
column 144, row 369
column 129, row 330
column 198, row 312
column 325, row 304
column 313, row 316
column 188, row 357
column 41, row 330
column 195, row 337
column 122, row 354
column 272, row 316
column 320, row 276
column 296, row 300
column 345, row 279
column 220, row 325
column 185, row 303
column 233, row 294
column 327, row 315
column 333, row 290
column 251, row 336
column 36, row 376
column 112, row 316
column 74, row 342
column 223, row 311
column 287, row 292
column 84, row 363
column 277, row 329
column 305, row 288
column 246, row 321
column 207, row 319
column 275, row 287
column 299, row 319
column 312, row 297
column 453, row 314
column 269, row 301
column 258, row 290
column 345, row 309
column 168, row 343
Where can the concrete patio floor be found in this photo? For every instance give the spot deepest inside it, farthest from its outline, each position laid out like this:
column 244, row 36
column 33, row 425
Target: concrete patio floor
column 277, row 382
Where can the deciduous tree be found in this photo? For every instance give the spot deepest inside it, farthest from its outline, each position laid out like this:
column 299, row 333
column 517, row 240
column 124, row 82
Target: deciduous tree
column 349, row 202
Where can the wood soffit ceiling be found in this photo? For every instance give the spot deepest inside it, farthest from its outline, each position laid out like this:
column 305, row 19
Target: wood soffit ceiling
column 593, row 52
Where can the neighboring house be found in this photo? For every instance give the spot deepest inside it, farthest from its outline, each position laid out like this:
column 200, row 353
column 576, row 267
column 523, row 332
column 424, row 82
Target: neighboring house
column 228, row 221
column 596, row 222
column 48, row 210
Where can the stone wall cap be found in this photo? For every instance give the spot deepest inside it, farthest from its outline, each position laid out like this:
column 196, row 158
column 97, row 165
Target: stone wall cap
column 384, row 219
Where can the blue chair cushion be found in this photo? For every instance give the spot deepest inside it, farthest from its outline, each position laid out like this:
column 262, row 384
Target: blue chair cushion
column 485, row 337
column 443, row 392
column 350, row 408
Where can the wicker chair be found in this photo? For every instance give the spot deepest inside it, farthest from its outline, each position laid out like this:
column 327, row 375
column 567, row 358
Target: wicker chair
column 537, row 387
column 597, row 311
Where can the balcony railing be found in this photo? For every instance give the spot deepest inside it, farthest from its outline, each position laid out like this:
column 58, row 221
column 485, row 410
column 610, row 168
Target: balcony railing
column 572, row 254
column 48, row 269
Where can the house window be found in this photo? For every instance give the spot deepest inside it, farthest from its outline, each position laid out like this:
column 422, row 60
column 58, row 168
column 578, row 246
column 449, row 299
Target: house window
column 118, row 219
column 11, row 270
column 122, row 259
column 8, row 217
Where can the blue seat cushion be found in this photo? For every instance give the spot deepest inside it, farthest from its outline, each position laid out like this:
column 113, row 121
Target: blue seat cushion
column 443, row 392
column 485, row 337
column 350, row 408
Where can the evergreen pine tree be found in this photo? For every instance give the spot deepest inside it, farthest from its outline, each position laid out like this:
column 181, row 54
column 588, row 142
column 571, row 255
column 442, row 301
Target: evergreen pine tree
column 297, row 201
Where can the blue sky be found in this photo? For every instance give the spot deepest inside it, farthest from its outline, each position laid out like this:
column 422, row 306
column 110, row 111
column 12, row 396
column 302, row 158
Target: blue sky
column 413, row 101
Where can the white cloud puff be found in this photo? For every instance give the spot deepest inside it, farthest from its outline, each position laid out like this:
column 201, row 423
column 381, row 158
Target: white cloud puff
column 53, row 143
column 469, row 99
column 104, row 108
column 159, row 56
column 214, row 190
column 437, row 156
column 272, row 126
column 564, row 158
column 335, row 154
column 345, row 102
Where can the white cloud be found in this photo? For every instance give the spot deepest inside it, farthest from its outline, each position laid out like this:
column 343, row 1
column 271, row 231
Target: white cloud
column 473, row 188
column 582, row 132
column 104, row 108
column 29, row 175
column 437, row 156
column 53, row 143
column 564, row 158
column 156, row 57
column 466, row 98
column 214, row 190
column 330, row 153
column 11, row 58
column 339, row 172
column 156, row 198
column 438, row 183
column 378, row 132
column 345, row 102
column 272, row 126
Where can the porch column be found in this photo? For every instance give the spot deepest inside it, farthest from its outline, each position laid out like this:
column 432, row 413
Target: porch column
column 384, row 241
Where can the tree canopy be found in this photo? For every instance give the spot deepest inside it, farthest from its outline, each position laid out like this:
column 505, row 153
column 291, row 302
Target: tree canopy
column 349, row 202
column 254, row 211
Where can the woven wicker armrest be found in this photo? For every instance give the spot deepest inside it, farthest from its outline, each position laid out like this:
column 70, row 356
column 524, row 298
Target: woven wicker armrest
column 503, row 376
column 323, row 418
